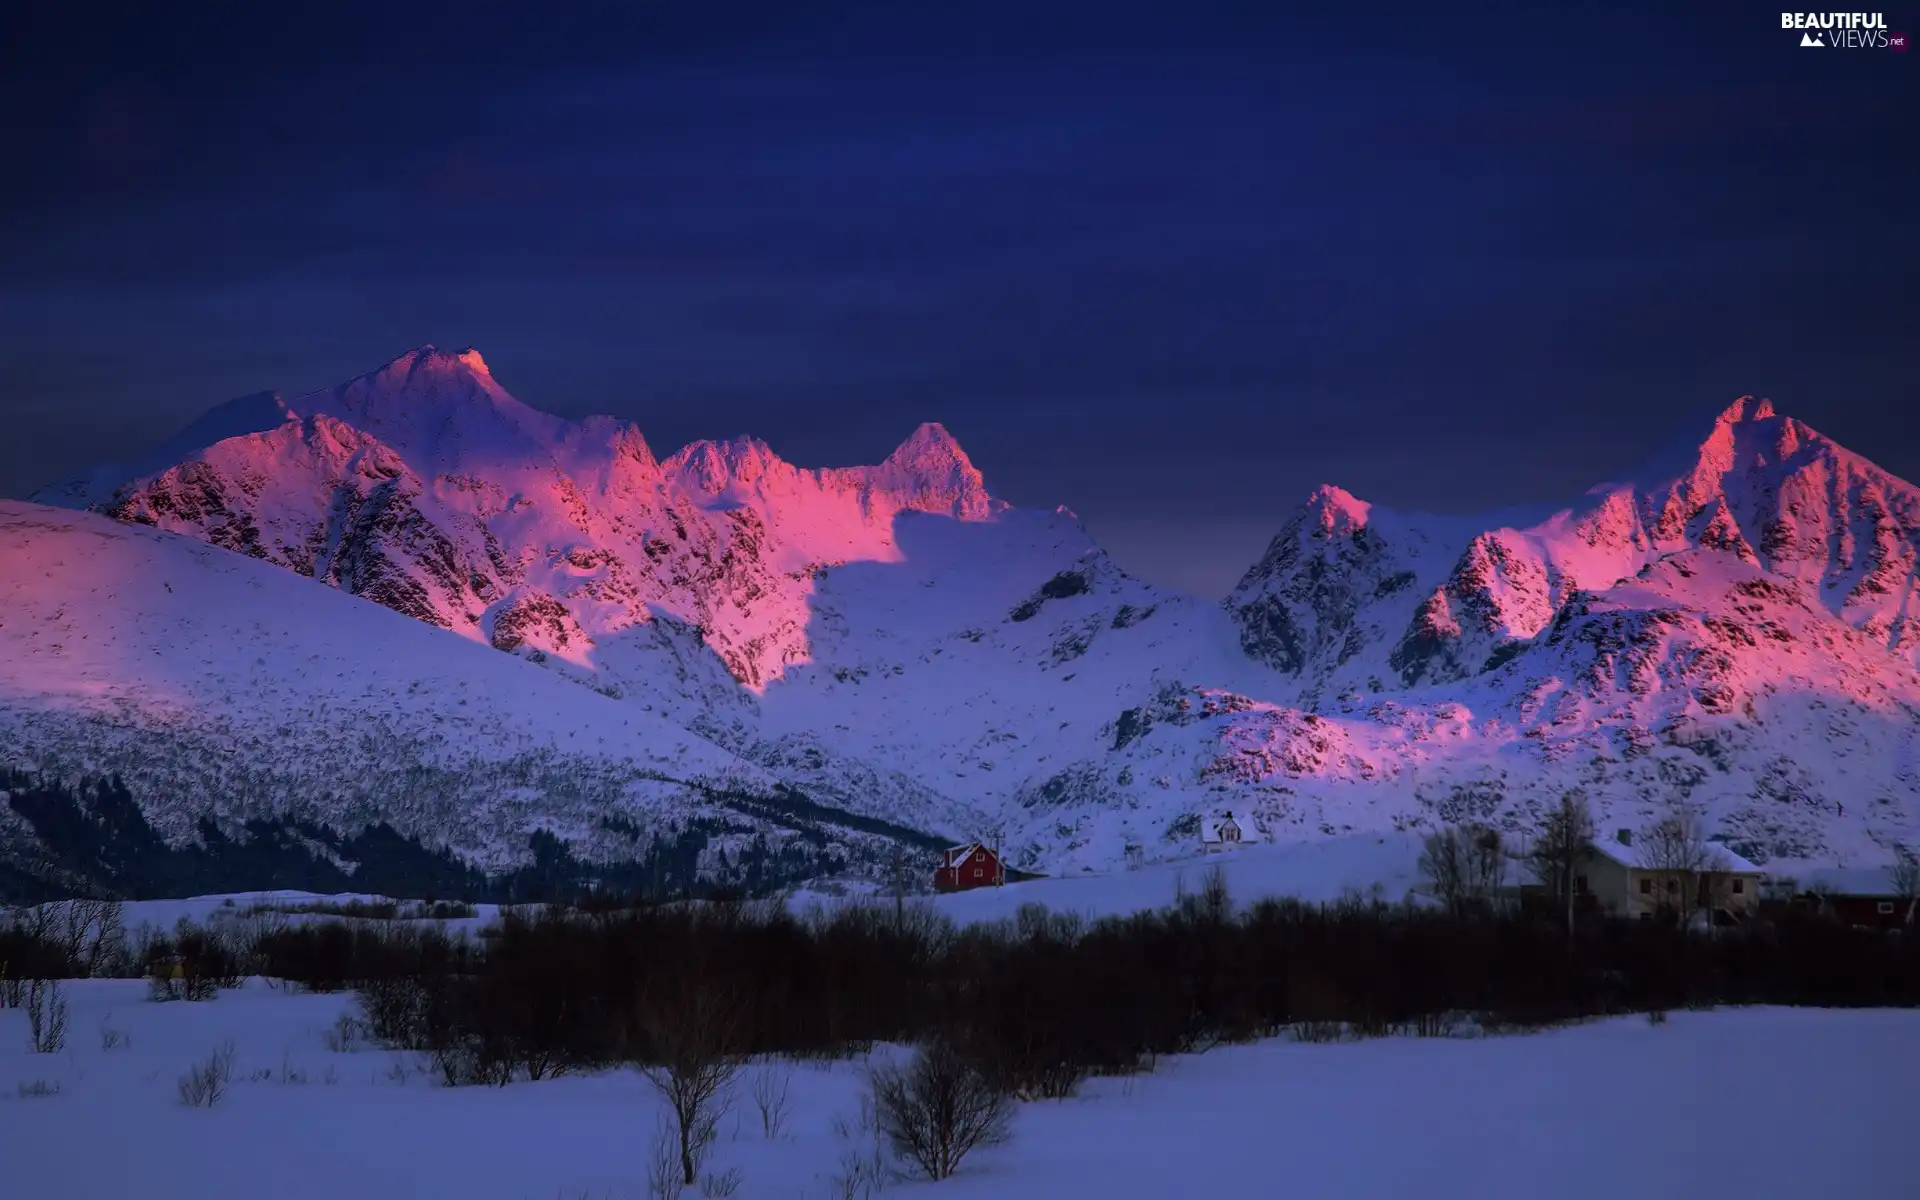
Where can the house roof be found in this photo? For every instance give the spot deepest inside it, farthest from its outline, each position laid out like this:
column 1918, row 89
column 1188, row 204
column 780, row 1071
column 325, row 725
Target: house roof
column 1848, row 881
column 959, row 854
column 1210, row 826
column 1718, row 856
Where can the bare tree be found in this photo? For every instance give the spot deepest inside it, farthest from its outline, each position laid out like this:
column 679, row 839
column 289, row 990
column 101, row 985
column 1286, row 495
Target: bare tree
column 899, row 873
column 1556, row 852
column 691, row 1043
column 939, row 1108
column 1904, row 873
column 89, row 933
column 1465, row 866
column 46, row 1017
column 1676, row 850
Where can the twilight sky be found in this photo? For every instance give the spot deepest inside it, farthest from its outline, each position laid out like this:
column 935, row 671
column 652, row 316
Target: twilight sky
column 1169, row 264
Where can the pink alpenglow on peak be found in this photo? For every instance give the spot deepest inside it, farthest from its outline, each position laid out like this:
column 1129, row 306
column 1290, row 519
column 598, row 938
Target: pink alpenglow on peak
column 1746, row 408
column 1336, row 511
column 930, row 472
column 891, row 638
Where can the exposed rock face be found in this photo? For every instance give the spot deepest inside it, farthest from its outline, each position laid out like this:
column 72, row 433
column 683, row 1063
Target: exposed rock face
column 1738, row 623
column 426, row 488
column 1760, row 488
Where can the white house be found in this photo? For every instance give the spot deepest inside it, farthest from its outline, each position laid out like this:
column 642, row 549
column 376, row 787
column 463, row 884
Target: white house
column 1226, row 831
column 1624, row 880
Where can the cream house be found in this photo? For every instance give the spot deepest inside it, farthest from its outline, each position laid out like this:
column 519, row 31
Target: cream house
column 1621, row 881
column 1223, row 833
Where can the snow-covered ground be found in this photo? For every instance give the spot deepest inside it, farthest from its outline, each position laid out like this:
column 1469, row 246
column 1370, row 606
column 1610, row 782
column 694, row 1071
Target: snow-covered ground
column 1386, row 866
column 292, row 907
column 1316, row 872
column 1754, row 1103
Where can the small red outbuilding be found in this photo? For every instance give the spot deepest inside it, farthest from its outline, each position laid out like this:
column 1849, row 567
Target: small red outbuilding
column 968, row 866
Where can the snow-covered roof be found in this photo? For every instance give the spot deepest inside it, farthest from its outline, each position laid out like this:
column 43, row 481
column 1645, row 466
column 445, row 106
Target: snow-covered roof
column 1847, row 881
column 1210, row 827
column 1719, row 858
column 958, row 854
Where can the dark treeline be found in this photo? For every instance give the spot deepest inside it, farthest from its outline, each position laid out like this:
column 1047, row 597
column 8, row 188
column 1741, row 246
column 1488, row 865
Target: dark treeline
column 91, row 838
column 1043, row 1001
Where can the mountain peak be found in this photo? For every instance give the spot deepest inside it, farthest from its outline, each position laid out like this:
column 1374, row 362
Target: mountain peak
column 930, row 446
column 929, row 471
column 429, row 359
column 1746, row 409
column 1335, row 510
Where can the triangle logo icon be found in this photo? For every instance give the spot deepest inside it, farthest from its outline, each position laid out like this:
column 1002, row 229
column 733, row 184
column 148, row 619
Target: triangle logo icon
column 1807, row 39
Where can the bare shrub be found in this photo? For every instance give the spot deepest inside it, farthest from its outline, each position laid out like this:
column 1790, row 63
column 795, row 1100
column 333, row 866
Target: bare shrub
column 344, row 1035
column 396, row 1011
column 470, row 1060
column 770, row 1087
column 691, row 1036
column 38, row 1089
column 206, row 1083
column 1319, row 1032
column 721, row 1184
column 46, row 1017
column 938, row 1109
column 864, row 1168
column 1656, row 1016
column 111, row 1038
column 663, row 1162
column 1442, row 1024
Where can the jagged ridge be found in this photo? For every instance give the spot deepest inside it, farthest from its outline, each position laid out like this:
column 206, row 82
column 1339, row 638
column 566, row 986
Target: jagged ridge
column 899, row 643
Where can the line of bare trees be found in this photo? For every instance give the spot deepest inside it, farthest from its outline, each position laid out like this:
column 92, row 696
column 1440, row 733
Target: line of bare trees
column 1037, row 1003
column 690, row 994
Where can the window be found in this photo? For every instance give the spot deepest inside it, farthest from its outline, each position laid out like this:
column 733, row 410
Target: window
column 1739, row 886
column 1884, row 908
column 1646, row 887
column 979, row 872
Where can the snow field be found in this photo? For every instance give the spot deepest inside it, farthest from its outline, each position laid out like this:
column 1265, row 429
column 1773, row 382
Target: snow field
column 1758, row 1103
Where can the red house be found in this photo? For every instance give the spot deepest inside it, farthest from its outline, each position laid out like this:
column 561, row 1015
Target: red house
column 1862, row 897
column 968, row 866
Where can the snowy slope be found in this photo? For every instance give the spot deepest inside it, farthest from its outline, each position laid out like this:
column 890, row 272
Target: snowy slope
column 245, row 691
column 1735, row 624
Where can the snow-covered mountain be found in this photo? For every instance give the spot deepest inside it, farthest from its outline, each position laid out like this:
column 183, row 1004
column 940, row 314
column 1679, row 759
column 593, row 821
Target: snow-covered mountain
column 1736, row 623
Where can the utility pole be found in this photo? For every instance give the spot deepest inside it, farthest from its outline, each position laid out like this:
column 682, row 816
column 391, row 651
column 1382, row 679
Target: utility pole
column 899, row 887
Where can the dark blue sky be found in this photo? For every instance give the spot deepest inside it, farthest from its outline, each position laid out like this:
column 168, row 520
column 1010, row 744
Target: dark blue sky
column 1169, row 264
